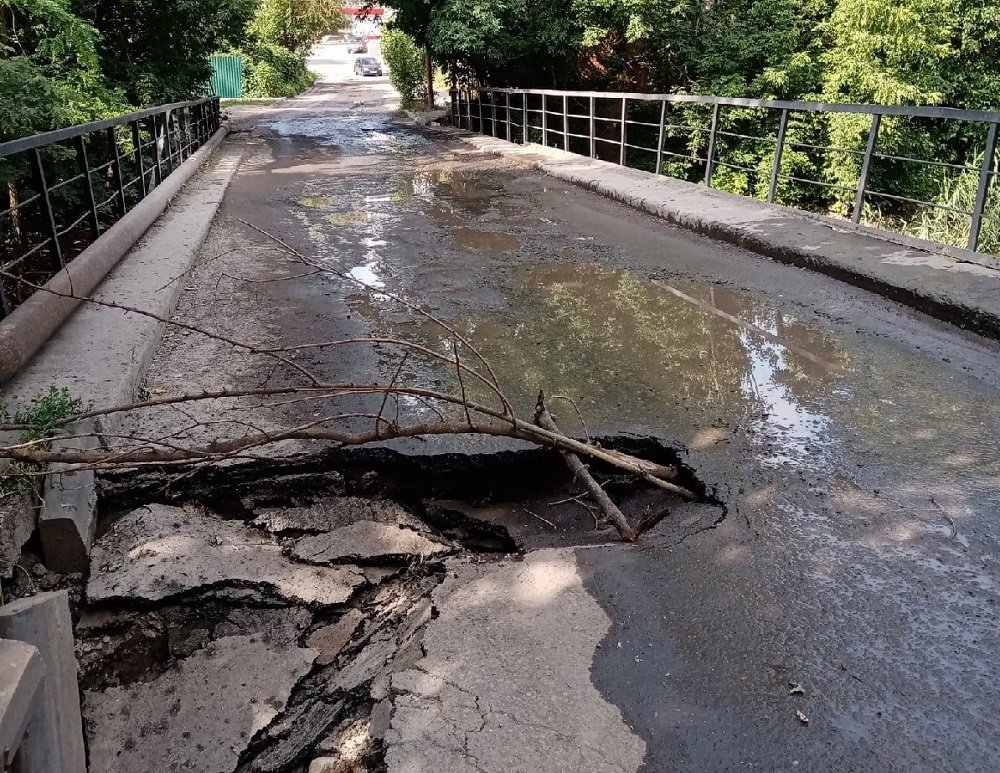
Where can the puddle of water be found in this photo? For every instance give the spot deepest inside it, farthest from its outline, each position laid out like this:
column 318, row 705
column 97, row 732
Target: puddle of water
column 444, row 216
column 351, row 132
column 484, row 241
column 634, row 355
column 369, row 274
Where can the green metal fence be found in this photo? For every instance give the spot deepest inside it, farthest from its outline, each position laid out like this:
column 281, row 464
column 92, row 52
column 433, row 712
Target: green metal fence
column 227, row 77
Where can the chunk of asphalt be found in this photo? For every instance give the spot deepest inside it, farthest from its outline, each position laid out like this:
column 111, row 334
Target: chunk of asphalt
column 330, row 639
column 365, row 541
column 201, row 714
column 505, row 682
column 157, row 551
column 334, row 512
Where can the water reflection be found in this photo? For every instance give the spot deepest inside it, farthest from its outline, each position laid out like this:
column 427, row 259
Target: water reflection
column 636, row 356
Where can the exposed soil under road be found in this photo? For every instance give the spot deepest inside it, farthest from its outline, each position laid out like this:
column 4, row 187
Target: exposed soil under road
column 854, row 443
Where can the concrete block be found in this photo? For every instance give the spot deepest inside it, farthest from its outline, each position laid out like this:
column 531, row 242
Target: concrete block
column 44, row 621
column 18, row 514
column 21, row 682
column 69, row 512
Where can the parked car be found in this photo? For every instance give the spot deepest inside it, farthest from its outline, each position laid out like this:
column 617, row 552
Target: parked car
column 367, row 65
column 357, row 45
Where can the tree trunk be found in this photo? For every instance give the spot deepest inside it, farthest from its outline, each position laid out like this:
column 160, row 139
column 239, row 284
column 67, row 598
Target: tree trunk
column 16, row 221
column 430, row 77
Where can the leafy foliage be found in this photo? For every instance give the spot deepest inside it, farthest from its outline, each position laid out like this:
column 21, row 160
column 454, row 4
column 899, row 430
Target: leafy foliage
column 296, row 24
column 273, row 71
column 405, row 61
column 42, row 419
column 158, row 52
column 895, row 52
column 45, row 414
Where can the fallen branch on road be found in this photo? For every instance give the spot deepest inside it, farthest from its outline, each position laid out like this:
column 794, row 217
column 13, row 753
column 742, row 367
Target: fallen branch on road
column 544, row 419
column 213, row 425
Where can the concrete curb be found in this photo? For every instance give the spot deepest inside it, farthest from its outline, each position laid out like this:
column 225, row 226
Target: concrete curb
column 963, row 291
column 32, row 323
column 101, row 354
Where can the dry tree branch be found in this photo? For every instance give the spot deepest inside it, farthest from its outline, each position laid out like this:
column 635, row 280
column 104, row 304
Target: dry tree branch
column 579, row 415
column 508, row 408
column 544, row 419
column 169, row 322
column 180, row 448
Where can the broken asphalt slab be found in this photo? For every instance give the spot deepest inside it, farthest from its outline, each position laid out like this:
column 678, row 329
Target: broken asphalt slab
column 157, row 551
column 198, row 716
column 365, row 541
column 333, row 512
column 505, row 682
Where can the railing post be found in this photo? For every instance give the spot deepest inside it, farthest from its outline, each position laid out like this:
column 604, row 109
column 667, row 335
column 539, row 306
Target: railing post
column 593, row 124
column 711, row 145
column 154, row 138
column 779, row 149
column 524, row 105
column 116, row 167
column 624, row 115
column 479, row 102
column 566, row 122
column 659, row 142
column 545, row 120
column 168, row 145
column 50, row 220
column 984, row 187
column 859, row 200
column 83, row 164
column 137, row 143
column 506, row 103
column 5, row 305
column 493, row 113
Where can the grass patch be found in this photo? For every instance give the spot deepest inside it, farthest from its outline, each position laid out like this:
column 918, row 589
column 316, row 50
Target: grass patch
column 248, row 101
column 40, row 420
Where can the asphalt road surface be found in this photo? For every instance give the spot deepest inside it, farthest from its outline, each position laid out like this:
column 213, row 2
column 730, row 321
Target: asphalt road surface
column 850, row 571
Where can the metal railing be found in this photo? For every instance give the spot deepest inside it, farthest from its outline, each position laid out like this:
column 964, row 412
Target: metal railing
column 65, row 187
column 694, row 137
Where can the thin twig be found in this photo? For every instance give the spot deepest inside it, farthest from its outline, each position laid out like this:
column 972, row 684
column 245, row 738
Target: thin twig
column 576, row 408
column 385, row 397
column 540, row 518
column 947, row 515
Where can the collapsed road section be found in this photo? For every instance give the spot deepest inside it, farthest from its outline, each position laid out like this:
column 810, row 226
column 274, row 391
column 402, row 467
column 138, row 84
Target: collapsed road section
column 237, row 619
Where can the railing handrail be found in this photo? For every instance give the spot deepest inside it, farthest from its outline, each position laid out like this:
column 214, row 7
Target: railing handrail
column 983, row 167
column 921, row 111
column 41, row 139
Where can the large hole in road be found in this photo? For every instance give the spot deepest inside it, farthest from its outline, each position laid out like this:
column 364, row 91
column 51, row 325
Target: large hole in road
column 336, row 554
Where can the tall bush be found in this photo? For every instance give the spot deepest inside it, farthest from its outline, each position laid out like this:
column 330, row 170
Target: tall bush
column 405, row 61
column 273, row 71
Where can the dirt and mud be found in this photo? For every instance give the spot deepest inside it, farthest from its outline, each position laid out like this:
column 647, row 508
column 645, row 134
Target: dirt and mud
column 848, row 448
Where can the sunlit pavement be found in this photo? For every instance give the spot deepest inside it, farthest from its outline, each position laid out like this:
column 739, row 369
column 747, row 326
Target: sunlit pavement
column 852, row 448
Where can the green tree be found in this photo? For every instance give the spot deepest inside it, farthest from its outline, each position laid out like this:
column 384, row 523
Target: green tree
column 156, row 52
column 405, row 61
column 296, row 24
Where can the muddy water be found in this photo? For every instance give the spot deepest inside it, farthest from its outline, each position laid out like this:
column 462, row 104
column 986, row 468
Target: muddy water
column 825, row 420
column 697, row 363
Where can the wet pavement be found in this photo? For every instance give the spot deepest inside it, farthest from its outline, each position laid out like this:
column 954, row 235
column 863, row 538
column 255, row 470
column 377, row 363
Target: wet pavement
column 855, row 444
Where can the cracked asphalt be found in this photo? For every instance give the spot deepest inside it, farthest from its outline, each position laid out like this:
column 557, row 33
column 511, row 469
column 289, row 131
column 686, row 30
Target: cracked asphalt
column 854, row 444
